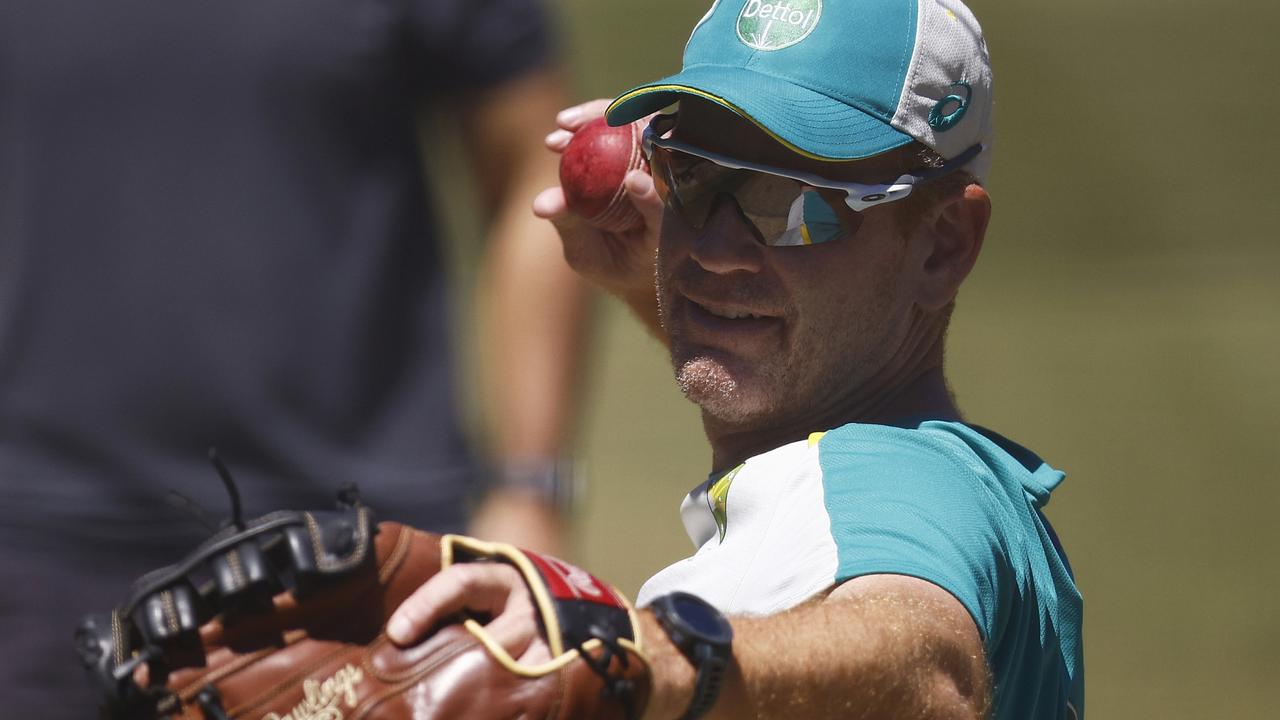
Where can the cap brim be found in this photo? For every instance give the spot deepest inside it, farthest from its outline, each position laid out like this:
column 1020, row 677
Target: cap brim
column 806, row 121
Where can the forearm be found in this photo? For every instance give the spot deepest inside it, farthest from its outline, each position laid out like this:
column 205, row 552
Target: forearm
column 883, row 655
column 534, row 312
column 532, row 306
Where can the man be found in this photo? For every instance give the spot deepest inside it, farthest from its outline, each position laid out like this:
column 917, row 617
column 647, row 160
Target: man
column 214, row 231
column 822, row 201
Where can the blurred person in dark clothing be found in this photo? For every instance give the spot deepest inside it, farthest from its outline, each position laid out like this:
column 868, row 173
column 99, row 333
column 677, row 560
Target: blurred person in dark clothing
column 214, row 230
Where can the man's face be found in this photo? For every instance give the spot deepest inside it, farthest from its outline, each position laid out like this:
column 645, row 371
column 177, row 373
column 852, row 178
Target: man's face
column 764, row 336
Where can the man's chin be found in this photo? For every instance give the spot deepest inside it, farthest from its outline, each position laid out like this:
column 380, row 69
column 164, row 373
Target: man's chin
column 720, row 391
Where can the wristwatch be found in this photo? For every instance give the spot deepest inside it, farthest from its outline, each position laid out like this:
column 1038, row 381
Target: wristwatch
column 552, row 480
column 704, row 636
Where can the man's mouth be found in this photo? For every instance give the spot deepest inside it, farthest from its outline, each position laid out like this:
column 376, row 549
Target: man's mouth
column 729, row 319
column 730, row 310
column 730, row 313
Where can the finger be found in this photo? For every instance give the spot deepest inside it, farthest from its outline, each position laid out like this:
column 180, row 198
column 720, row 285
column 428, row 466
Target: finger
column 572, row 118
column 477, row 587
column 537, row 653
column 517, row 627
column 643, row 194
column 557, row 140
column 550, row 204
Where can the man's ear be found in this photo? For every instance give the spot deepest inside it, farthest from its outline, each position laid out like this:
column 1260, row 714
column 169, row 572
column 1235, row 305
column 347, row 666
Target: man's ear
column 952, row 237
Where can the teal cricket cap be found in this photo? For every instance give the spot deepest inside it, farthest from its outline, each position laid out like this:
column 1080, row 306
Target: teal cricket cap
column 838, row 79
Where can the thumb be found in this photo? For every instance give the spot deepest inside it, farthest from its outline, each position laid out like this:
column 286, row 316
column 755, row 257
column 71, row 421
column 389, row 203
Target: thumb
column 641, row 192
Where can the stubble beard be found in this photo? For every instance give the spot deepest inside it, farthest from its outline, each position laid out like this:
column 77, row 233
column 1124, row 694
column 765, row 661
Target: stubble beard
column 713, row 387
column 820, row 368
column 732, row 390
column 745, row 393
column 804, row 383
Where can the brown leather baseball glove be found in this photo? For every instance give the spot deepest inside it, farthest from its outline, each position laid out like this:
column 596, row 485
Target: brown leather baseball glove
column 282, row 618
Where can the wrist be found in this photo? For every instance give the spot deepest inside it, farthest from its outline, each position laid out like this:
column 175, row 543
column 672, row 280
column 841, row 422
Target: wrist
column 551, row 480
column 703, row 636
column 671, row 674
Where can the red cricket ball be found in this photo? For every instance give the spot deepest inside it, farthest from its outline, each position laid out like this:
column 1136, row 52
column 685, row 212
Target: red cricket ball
column 592, row 170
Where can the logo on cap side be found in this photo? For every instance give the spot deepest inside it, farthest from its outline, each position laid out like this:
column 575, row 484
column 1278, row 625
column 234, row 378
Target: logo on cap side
column 950, row 109
column 764, row 25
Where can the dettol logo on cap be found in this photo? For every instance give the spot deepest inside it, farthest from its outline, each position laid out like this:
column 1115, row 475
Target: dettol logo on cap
column 765, row 25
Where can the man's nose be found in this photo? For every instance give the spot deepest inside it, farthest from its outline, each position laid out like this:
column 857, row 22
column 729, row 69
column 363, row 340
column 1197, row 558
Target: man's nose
column 727, row 241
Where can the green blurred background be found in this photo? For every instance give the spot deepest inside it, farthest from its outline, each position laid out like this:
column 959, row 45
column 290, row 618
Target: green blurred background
column 1124, row 321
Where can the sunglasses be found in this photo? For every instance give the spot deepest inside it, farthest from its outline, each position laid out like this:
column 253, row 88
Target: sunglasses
column 783, row 207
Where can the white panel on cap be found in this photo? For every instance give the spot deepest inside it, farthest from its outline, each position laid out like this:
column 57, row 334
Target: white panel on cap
column 949, row 48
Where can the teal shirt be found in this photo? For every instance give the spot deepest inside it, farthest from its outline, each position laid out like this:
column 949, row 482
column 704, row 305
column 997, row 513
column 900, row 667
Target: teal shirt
column 960, row 507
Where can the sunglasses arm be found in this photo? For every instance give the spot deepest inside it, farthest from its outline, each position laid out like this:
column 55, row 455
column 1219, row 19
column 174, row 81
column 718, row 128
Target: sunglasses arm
column 862, row 197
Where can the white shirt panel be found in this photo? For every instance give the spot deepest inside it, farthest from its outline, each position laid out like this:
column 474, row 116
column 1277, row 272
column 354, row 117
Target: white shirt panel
column 777, row 549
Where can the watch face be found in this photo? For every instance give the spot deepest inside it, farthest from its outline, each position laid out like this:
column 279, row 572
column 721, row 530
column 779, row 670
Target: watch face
column 701, row 618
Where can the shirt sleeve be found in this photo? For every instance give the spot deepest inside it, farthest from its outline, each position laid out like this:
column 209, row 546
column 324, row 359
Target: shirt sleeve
column 902, row 502
column 467, row 45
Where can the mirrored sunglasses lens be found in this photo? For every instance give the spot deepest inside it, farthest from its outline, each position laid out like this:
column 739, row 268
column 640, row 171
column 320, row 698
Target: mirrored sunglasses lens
column 686, row 183
column 783, row 211
column 788, row 213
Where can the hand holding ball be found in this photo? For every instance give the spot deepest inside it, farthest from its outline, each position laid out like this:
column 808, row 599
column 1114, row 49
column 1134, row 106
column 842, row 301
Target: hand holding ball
column 593, row 168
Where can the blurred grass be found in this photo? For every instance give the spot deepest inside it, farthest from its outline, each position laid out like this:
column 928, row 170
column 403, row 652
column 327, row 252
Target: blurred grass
column 1124, row 322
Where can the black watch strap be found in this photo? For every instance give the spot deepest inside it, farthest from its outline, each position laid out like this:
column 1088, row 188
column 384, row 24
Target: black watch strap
column 705, row 637
column 706, row 685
